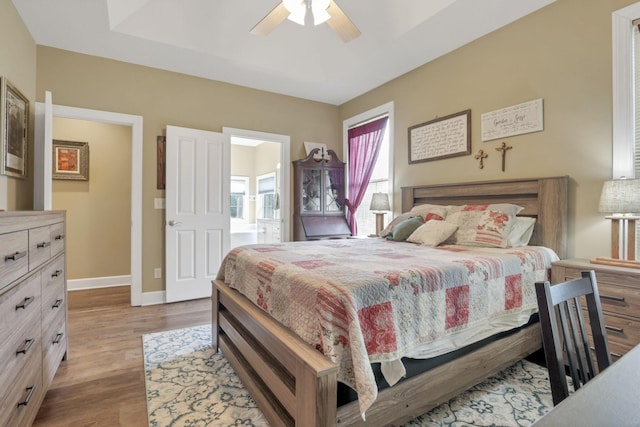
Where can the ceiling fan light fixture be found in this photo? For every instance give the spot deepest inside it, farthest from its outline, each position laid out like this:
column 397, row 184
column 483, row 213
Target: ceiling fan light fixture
column 319, row 9
column 298, row 15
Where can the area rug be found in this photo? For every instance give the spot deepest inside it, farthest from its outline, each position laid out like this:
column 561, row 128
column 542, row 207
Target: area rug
column 190, row 384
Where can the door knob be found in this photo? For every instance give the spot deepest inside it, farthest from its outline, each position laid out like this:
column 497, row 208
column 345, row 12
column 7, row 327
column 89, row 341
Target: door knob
column 172, row 223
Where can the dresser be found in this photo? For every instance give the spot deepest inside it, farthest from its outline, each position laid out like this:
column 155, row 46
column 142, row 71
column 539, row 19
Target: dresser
column 619, row 289
column 318, row 197
column 33, row 310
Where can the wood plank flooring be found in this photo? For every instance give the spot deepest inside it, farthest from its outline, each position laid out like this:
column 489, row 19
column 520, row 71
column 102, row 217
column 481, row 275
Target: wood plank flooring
column 102, row 382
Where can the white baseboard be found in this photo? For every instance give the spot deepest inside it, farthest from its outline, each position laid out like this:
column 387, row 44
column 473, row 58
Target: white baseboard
column 153, row 298
column 98, row 282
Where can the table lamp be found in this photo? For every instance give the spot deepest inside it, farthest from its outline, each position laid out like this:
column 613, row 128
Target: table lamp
column 379, row 204
column 621, row 198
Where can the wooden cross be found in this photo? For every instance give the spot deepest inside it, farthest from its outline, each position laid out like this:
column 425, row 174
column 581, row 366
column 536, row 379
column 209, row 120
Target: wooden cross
column 481, row 156
column 504, row 147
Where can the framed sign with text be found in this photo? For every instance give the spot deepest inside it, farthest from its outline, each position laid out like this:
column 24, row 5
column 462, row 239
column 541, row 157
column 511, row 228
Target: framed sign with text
column 441, row 138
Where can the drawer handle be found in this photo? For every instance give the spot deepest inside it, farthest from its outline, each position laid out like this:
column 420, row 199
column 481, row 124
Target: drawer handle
column 57, row 304
column 614, row 329
column 15, row 257
column 26, row 400
column 616, row 355
column 56, row 273
column 43, row 245
column 27, row 345
column 58, row 338
column 610, row 298
column 25, row 303
column 59, row 237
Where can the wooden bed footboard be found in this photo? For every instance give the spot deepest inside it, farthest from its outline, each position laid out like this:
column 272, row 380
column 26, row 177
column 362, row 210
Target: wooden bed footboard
column 294, row 385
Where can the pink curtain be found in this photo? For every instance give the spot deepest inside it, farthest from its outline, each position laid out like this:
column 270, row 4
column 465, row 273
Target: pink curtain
column 364, row 146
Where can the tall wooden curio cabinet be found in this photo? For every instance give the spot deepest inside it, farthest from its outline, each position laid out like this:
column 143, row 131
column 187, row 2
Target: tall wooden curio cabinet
column 319, row 191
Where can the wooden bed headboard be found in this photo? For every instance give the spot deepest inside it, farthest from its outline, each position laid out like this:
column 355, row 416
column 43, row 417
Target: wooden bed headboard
column 542, row 198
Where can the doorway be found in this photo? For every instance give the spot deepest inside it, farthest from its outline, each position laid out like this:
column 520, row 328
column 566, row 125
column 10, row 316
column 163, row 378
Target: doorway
column 44, row 113
column 259, row 187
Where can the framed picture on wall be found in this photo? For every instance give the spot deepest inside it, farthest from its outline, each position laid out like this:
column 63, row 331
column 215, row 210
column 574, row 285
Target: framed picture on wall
column 13, row 130
column 70, row 160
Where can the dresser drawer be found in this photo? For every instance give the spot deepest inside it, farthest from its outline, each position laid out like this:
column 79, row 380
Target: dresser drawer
column 15, row 259
column 623, row 333
column 24, row 396
column 17, row 353
column 57, row 238
column 54, row 341
column 619, row 299
column 20, row 305
column 39, row 246
column 52, row 305
column 53, row 278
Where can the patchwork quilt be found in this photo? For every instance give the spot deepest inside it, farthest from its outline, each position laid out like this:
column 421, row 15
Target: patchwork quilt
column 360, row 301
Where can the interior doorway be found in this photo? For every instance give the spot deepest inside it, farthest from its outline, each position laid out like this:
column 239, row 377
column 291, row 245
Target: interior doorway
column 44, row 113
column 259, row 187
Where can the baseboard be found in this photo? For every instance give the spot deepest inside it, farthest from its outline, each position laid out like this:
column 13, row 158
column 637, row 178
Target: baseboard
column 153, row 298
column 98, row 282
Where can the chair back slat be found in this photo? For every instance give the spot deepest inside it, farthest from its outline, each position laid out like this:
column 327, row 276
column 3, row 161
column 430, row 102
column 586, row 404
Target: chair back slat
column 564, row 332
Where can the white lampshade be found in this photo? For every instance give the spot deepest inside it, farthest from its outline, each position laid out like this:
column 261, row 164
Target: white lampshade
column 380, row 202
column 620, row 196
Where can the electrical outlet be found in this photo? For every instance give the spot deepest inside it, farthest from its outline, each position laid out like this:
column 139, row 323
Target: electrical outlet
column 157, row 273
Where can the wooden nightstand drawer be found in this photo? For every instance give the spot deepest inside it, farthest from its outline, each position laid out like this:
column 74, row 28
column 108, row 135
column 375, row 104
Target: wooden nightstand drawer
column 619, row 299
column 622, row 333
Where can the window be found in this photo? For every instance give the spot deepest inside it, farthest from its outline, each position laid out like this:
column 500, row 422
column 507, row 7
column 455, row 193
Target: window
column 267, row 198
column 239, row 190
column 626, row 94
column 382, row 177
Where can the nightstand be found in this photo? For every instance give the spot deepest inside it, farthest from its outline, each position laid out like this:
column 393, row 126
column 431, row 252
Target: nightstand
column 619, row 289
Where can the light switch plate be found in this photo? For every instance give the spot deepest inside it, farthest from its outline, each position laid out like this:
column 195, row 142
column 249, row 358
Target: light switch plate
column 158, row 203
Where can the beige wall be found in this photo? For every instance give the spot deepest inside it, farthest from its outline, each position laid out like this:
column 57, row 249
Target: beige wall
column 561, row 53
column 164, row 98
column 18, row 65
column 98, row 210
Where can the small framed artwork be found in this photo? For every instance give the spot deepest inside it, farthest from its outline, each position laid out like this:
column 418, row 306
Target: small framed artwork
column 310, row 146
column 161, row 159
column 13, row 130
column 70, row 160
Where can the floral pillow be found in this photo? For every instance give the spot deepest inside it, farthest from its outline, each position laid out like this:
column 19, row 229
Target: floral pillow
column 428, row 211
column 432, row 233
column 482, row 225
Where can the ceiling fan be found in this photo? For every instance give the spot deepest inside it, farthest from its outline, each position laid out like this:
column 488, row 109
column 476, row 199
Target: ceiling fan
column 296, row 10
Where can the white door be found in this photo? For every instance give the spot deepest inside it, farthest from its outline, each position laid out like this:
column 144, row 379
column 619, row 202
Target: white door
column 197, row 210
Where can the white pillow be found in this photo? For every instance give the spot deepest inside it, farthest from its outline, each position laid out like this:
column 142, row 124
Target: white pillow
column 432, row 233
column 428, row 211
column 522, row 231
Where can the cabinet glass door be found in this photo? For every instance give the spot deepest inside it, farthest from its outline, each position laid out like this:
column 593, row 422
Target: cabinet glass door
column 334, row 199
column 311, row 191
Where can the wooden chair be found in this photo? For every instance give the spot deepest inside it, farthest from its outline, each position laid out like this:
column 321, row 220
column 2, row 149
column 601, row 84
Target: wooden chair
column 564, row 332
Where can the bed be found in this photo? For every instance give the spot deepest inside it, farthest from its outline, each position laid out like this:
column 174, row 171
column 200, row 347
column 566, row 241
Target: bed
column 294, row 384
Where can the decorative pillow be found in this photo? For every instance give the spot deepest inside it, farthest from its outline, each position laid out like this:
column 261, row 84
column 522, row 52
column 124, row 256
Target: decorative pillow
column 482, row 225
column 404, row 229
column 432, row 233
column 397, row 220
column 428, row 211
column 522, row 231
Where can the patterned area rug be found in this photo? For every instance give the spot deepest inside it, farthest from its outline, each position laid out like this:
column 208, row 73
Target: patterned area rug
column 189, row 384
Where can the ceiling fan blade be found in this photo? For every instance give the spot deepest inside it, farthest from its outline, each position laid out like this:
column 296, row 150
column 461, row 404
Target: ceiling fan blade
column 341, row 24
column 271, row 20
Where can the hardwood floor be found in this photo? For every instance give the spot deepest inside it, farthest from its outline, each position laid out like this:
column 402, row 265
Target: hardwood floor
column 102, row 382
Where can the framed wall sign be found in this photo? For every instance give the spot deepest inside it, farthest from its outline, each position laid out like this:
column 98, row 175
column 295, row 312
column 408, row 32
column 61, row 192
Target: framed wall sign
column 13, row 130
column 70, row 160
column 513, row 120
column 441, row 138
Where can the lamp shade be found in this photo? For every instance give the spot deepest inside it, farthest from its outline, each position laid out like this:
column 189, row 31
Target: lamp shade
column 380, row 202
column 620, row 196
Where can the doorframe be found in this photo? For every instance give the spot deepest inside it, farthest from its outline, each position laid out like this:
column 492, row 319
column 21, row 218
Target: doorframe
column 285, row 169
column 135, row 122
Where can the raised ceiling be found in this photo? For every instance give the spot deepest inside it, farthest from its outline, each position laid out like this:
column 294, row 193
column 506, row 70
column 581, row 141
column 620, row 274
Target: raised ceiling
column 211, row 39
